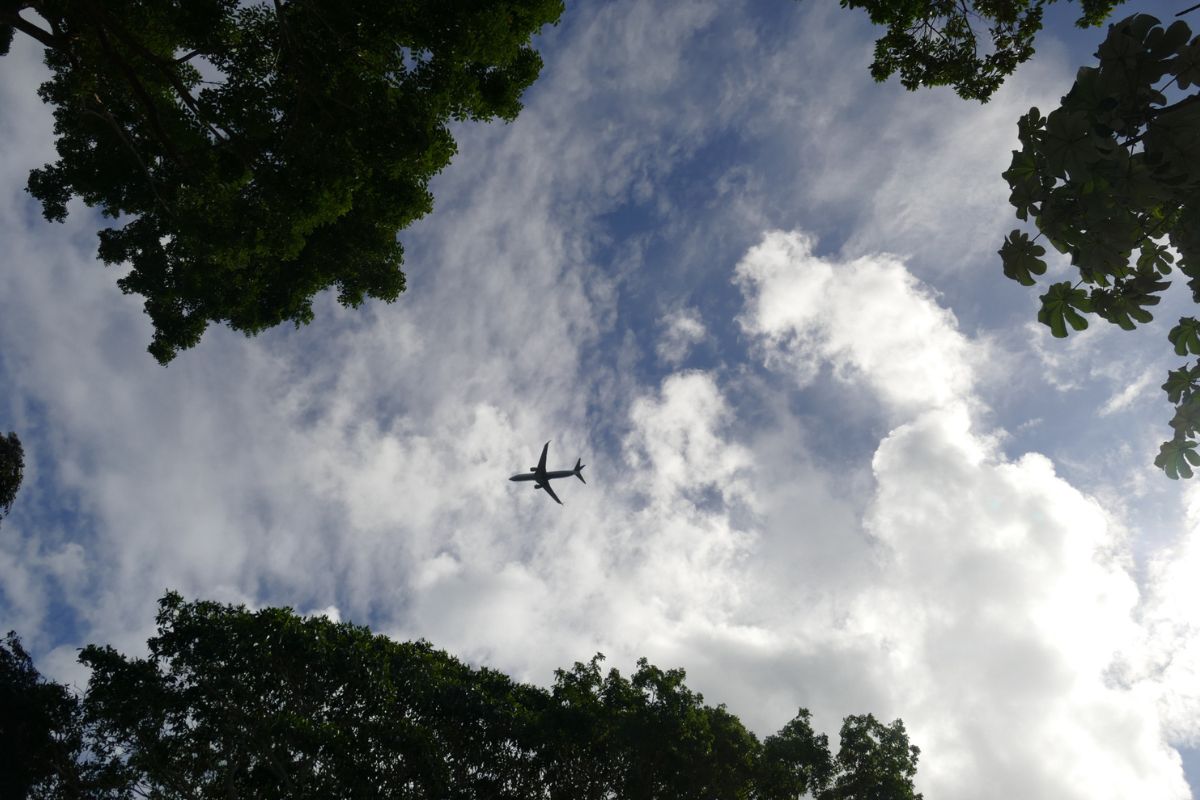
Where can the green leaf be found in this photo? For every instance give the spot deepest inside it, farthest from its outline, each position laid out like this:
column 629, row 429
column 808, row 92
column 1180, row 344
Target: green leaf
column 1024, row 178
column 1067, row 144
column 1030, row 127
column 1186, row 421
column 1124, row 46
column 1186, row 66
column 1061, row 306
column 1022, row 257
column 1186, row 336
column 1155, row 256
column 1109, row 177
column 1123, row 305
column 1181, row 383
column 1177, row 457
column 1166, row 42
column 1092, row 95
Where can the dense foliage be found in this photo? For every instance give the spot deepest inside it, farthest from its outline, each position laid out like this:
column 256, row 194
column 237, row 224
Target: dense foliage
column 39, row 733
column 233, row 703
column 12, row 470
column 258, row 153
column 1112, row 178
column 936, row 42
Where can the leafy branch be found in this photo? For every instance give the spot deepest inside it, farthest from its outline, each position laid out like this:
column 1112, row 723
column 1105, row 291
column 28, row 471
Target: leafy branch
column 1106, row 177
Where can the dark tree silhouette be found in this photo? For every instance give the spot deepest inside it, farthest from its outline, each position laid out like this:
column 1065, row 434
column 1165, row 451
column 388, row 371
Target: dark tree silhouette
column 233, row 703
column 40, row 737
column 12, row 470
column 254, row 154
column 937, row 42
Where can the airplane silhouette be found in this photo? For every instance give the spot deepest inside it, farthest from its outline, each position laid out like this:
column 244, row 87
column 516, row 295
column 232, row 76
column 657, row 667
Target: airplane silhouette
column 542, row 478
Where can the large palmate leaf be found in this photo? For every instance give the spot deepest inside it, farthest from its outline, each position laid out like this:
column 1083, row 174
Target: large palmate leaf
column 1025, row 179
column 1022, row 257
column 1177, row 457
column 1155, row 256
column 1061, row 305
column 1186, row 65
column 1125, row 303
column 1186, row 421
column 1186, row 336
column 1182, row 383
column 1068, row 144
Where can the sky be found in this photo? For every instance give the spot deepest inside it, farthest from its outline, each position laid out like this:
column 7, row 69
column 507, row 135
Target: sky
column 833, row 461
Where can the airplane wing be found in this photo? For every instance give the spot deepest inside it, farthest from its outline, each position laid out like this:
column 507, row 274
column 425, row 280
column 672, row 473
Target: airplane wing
column 550, row 491
column 541, row 467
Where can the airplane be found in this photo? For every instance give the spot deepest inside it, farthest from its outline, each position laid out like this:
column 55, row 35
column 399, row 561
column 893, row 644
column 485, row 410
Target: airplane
column 542, row 478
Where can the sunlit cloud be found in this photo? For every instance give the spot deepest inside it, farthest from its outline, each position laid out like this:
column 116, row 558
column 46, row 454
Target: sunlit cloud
column 738, row 520
column 1004, row 597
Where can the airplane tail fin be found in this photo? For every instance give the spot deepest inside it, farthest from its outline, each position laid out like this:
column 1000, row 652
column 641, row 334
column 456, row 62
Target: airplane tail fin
column 579, row 469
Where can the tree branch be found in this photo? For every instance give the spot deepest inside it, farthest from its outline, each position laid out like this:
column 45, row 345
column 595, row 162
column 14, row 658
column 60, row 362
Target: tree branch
column 164, row 65
column 29, row 29
column 138, row 89
column 1188, row 10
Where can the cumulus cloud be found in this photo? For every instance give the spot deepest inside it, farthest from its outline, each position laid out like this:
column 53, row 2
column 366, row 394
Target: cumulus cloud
column 1169, row 658
column 1003, row 597
column 869, row 319
column 358, row 465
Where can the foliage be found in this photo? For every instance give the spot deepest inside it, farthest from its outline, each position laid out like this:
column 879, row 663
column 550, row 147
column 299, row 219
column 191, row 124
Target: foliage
column 12, row 470
column 648, row 736
column 233, row 703
column 935, row 42
column 39, row 736
column 1111, row 178
column 875, row 761
column 257, row 154
column 265, row 704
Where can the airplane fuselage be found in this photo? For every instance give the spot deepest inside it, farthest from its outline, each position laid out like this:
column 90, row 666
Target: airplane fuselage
column 549, row 476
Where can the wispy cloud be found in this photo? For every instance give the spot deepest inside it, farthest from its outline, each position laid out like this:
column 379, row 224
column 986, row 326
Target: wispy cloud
column 739, row 520
column 682, row 329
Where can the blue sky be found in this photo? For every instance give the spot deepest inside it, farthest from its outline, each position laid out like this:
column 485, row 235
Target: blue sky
column 833, row 461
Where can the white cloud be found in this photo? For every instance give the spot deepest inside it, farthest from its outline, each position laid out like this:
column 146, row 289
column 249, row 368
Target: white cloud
column 869, row 318
column 674, row 444
column 683, row 329
column 358, row 465
column 1126, row 396
column 1169, row 659
column 1003, row 595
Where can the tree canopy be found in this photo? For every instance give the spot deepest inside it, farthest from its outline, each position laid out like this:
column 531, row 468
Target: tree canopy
column 254, row 154
column 1112, row 179
column 937, row 42
column 39, row 732
column 12, row 470
column 234, row 703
